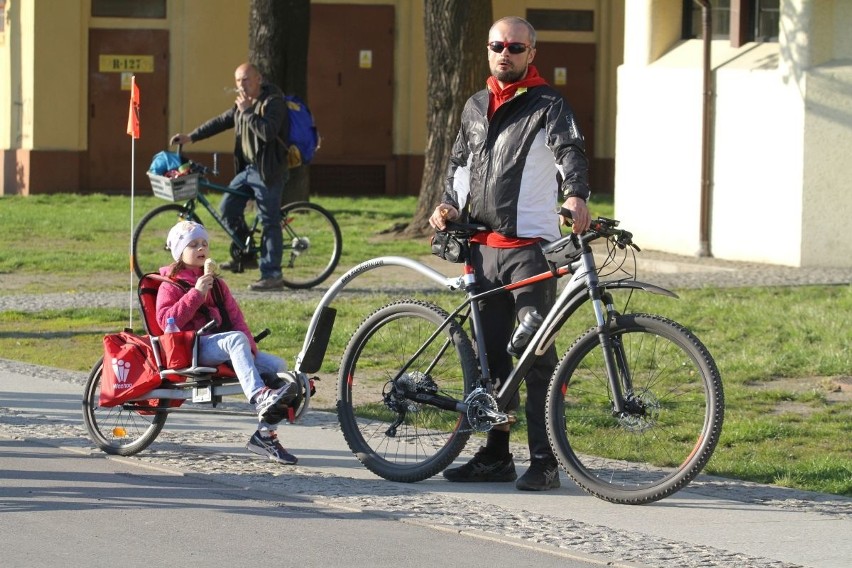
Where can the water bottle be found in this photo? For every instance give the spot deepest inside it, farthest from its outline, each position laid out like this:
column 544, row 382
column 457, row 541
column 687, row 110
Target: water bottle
column 171, row 326
column 529, row 325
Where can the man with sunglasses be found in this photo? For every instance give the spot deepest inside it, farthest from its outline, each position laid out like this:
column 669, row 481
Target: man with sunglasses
column 518, row 154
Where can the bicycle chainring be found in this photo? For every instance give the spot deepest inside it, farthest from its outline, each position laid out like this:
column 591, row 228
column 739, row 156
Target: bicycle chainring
column 482, row 410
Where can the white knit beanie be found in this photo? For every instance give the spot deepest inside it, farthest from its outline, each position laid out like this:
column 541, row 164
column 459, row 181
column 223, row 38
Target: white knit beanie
column 182, row 234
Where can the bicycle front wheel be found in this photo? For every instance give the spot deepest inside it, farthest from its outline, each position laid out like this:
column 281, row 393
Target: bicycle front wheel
column 671, row 422
column 149, row 238
column 115, row 429
column 395, row 436
column 312, row 244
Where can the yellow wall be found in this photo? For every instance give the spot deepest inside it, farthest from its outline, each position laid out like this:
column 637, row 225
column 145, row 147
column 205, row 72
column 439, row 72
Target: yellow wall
column 44, row 103
column 59, row 81
column 209, row 39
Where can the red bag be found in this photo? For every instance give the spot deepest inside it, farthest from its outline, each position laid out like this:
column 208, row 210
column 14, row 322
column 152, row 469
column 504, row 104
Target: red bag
column 176, row 349
column 129, row 369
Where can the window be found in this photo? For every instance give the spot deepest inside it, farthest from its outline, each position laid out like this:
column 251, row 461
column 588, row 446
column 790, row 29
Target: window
column 741, row 21
column 767, row 20
column 129, row 8
column 562, row 20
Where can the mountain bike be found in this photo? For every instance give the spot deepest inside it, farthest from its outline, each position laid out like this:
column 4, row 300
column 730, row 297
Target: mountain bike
column 634, row 407
column 312, row 238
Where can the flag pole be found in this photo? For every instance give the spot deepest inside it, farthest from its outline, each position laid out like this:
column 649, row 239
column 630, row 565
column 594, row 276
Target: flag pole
column 133, row 131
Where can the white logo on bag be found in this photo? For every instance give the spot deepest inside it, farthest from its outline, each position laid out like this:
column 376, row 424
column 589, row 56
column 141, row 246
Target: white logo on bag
column 121, row 368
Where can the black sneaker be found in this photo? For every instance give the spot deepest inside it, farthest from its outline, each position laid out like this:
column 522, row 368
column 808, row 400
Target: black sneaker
column 484, row 467
column 543, row 474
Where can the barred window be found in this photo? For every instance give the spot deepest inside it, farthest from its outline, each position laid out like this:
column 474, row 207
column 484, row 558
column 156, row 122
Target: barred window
column 741, row 21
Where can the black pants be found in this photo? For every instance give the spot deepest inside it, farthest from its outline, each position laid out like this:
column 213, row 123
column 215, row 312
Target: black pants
column 500, row 315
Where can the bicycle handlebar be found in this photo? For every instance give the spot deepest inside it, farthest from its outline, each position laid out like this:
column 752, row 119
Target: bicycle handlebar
column 464, row 229
column 602, row 227
column 199, row 168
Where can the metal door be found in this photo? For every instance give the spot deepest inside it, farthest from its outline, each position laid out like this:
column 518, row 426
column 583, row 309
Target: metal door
column 114, row 56
column 570, row 69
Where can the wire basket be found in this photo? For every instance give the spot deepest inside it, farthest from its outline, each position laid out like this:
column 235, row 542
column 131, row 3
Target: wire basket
column 174, row 189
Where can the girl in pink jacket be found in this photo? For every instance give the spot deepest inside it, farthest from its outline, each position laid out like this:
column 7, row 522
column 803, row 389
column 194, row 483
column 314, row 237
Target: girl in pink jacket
column 233, row 341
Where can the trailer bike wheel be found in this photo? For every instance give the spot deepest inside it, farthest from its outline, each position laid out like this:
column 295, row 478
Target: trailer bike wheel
column 117, row 430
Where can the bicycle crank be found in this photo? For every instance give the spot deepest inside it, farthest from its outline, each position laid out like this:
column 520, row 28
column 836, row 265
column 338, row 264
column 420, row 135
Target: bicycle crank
column 482, row 412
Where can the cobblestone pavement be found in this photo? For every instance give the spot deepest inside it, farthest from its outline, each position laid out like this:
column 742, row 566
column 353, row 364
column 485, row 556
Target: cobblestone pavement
column 196, row 453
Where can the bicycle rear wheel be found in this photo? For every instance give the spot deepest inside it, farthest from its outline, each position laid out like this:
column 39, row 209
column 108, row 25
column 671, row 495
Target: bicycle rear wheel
column 149, row 238
column 117, row 430
column 312, row 244
column 670, row 427
column 393, row 436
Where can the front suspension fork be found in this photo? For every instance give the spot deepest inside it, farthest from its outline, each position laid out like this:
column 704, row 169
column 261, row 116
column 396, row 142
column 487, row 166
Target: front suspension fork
column 613, row 351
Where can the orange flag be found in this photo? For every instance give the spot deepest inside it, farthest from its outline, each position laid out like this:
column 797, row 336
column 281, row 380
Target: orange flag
column 133, row 116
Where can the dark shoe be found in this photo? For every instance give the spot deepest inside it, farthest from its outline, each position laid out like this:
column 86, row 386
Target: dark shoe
column 543, row 474
column 270, row 446
column 484, row 467
column 267, row 285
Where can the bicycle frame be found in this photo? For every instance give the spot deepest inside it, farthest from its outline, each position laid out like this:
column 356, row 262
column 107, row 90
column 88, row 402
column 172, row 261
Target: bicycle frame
column 583, row 285
column 200, row 198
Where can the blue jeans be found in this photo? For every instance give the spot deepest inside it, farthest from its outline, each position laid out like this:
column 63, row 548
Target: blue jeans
column 234, row 346
column 268, row 200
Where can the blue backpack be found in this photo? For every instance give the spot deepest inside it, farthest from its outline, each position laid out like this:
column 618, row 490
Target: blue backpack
column 304, row 140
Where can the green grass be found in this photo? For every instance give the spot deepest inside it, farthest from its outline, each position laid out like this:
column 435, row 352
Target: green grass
column 778, row 349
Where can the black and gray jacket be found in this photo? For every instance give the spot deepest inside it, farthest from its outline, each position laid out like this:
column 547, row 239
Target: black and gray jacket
column 268, row 127
column 513, row 170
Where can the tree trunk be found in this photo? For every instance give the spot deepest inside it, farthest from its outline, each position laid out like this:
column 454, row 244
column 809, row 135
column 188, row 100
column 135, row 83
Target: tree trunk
column 457, row 66
column 278, row 46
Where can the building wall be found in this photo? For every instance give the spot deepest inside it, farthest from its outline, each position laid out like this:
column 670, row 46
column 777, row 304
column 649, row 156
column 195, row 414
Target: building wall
column 44, row 49
column 781, row 124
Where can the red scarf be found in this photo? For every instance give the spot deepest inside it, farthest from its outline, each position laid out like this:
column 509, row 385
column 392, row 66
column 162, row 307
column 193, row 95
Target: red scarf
column 497, row 96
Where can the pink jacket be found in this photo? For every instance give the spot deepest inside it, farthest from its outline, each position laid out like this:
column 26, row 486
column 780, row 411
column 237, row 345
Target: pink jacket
column 173, row 302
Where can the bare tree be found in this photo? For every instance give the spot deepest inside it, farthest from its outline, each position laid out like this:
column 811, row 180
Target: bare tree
column 278, row 44
column 456, row 33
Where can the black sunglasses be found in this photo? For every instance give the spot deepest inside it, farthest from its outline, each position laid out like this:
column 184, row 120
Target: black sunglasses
column 514, row 48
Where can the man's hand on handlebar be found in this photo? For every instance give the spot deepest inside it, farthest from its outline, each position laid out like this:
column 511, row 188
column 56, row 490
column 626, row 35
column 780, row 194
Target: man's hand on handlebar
column 579, row 213
column 441, row 215
column 180, row 139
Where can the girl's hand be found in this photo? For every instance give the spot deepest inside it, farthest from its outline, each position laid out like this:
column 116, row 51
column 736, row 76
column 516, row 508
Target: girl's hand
column 204, row 283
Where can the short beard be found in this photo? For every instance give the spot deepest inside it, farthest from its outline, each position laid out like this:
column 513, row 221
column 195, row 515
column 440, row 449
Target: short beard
column 509, row 76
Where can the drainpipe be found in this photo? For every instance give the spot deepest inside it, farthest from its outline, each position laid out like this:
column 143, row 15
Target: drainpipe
column 706, row 132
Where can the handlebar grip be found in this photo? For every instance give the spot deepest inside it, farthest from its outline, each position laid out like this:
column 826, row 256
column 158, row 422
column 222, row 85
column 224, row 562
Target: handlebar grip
column 262, row 334
column 466, row 228
column 206, row 326
column 566, row 213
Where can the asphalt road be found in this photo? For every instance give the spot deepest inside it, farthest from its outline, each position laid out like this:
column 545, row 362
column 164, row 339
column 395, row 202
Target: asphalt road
column 64, row 508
